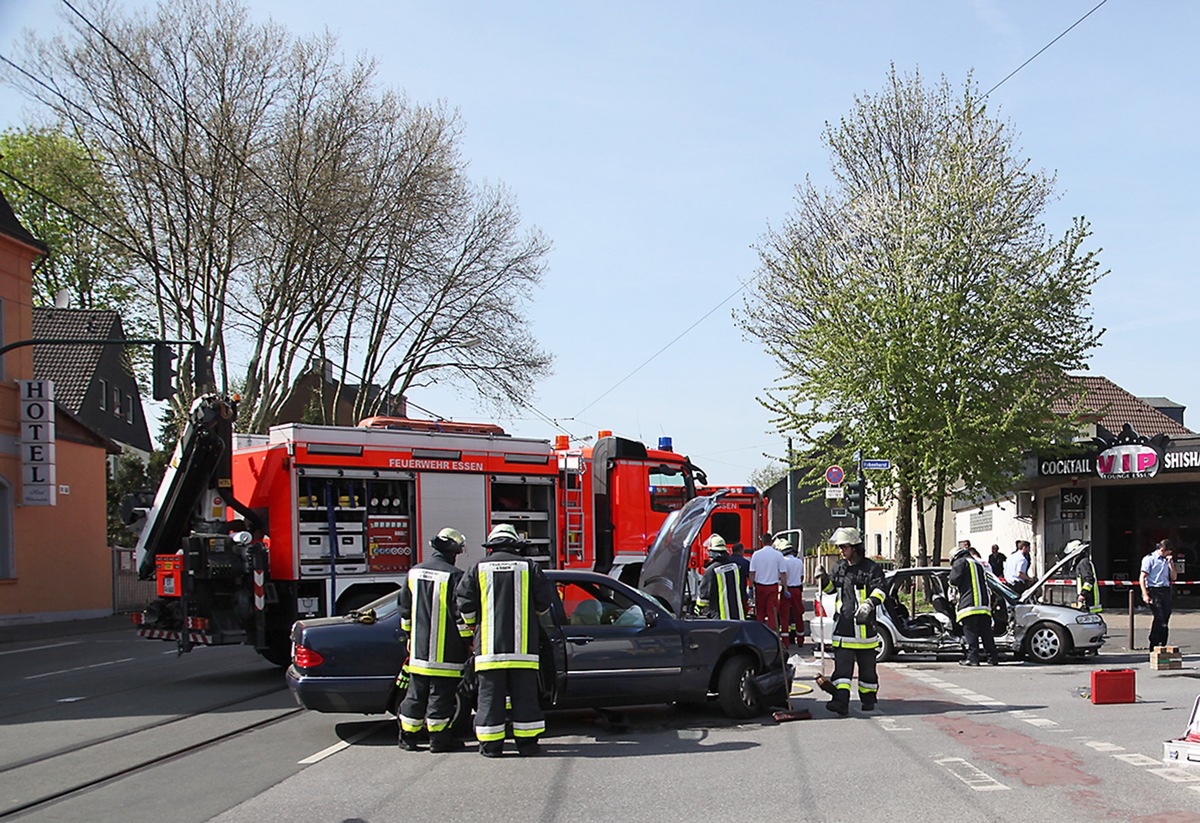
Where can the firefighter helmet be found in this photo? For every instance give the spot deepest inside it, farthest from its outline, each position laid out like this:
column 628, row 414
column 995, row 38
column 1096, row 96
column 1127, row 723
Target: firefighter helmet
column 716, row 545
column 846, row 536
column 448, row 541
column 1076, row 545
column 503, row 536
column 784, row 545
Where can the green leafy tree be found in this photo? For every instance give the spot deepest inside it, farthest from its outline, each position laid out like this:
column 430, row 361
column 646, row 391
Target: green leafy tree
column 62, row 195
column 132, row 475
column 919, row 306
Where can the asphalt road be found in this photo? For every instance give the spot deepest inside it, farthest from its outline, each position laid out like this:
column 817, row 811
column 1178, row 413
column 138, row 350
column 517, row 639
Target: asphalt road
column 110, row 727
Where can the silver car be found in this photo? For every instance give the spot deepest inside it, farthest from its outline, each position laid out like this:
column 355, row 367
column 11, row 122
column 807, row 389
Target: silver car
column 918, row 617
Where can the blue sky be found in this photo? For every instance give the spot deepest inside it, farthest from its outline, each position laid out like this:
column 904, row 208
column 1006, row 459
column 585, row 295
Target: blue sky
column 655, row 142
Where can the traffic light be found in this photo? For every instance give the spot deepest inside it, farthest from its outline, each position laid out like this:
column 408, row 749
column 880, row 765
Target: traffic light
column 856, row 492
column 163, row 372
column 201, row 368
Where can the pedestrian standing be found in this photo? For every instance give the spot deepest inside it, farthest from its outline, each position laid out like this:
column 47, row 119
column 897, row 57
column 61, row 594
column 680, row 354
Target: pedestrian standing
column 766, row 576
column 500, row 599
column 996, row 561
column 1158, row 574
column 721, row 588
column 792, row 606
column 974, row 613
column 858, row 584
column 437, row 646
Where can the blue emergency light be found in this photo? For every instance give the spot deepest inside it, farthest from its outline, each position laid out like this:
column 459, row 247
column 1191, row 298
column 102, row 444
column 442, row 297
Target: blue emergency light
column 664, row 444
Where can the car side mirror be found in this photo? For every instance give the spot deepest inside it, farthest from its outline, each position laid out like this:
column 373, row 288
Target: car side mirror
column 651, row 618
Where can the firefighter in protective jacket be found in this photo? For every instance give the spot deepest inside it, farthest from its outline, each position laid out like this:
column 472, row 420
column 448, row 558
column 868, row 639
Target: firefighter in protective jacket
column 437, row 646
column 721, row 587
column 974, row 613
column 500, row 599
column 858, row 584
column 1085, row 578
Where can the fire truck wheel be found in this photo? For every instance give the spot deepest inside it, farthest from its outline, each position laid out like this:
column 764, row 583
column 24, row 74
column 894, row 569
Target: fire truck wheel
column 735, row 688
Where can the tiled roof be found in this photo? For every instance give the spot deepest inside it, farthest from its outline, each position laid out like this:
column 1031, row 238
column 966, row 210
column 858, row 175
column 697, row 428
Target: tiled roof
column 1110, row 406
column 71, row 367
column 10, row 225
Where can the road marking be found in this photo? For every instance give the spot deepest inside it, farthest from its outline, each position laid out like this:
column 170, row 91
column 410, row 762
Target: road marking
column 976, row 778
column 1104, row 747
column 1138, row 760
column 1039, row 721
column 344, row 744
column 957, row 690
column 889, row 725
column 80, row 668
column 69, row 699
column 40, row 648
column 1176, row 775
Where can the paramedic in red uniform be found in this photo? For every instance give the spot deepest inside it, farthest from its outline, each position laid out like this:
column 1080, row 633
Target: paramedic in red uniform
column 766, row 576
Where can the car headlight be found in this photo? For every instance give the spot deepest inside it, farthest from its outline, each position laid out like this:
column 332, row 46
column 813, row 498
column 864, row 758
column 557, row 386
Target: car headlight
column 1089, row 618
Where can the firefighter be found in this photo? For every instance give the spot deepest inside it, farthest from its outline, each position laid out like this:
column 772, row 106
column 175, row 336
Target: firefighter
column 437, row 646
column 1088, row 592
column 722, row 586
column 969, row 577
column 858, row 585
column 500, row 599
column 791, row 623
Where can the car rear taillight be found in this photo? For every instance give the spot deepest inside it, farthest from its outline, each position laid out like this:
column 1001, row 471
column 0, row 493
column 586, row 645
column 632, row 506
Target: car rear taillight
column 306, row 658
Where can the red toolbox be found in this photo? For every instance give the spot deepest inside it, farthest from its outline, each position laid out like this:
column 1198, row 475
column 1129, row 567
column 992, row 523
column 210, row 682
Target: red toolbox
column 1113, row 686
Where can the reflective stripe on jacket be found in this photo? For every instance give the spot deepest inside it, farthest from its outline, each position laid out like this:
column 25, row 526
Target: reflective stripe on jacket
column 855, row 584
column 970, row 579
column 720, row 593
column 429, row 615
column 500, row 598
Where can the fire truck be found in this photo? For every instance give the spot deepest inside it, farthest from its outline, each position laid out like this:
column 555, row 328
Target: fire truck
column 248, row 533
column 740, row 517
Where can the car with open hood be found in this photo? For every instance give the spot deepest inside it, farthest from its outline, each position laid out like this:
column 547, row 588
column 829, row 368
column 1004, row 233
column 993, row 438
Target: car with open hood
column 603, row 644
column 918, row 617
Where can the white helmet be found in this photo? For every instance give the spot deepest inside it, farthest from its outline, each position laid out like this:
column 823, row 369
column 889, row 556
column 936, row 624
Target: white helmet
column 783, row 544
column 1076, row 545
column 716, row 545
column 846, row 536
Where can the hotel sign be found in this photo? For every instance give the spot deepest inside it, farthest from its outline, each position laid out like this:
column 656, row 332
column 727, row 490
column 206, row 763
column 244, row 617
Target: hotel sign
column 37, row 443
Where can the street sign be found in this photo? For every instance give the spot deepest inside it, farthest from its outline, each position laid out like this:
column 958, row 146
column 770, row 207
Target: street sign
column 837, row 512
column 834, row 475
column 835, row 492
column 882, row 463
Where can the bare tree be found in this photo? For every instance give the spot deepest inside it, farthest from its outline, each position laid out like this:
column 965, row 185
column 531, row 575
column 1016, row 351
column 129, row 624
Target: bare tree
column 280, row 207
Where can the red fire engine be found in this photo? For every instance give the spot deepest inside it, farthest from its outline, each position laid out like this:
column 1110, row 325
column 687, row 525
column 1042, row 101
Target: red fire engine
column 316, row 520
column 740, row 517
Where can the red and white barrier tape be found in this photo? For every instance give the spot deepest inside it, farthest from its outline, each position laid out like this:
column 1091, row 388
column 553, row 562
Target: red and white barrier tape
column 1070, row 581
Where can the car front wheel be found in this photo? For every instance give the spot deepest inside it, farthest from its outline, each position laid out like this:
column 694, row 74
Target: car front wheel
column 735, row 688
column 886, row 649
column 1047, row 643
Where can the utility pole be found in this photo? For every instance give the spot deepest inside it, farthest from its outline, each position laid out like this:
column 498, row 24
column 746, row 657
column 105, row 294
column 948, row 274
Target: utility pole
column 791, row 486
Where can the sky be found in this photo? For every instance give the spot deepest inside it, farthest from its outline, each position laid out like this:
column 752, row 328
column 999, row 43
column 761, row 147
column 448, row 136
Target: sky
column 655, row 143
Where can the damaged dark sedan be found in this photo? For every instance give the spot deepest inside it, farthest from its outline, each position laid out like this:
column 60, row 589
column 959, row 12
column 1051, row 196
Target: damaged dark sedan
column 603, row 644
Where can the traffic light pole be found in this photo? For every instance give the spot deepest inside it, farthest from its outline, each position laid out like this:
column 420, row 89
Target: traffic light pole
column 163, row 372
